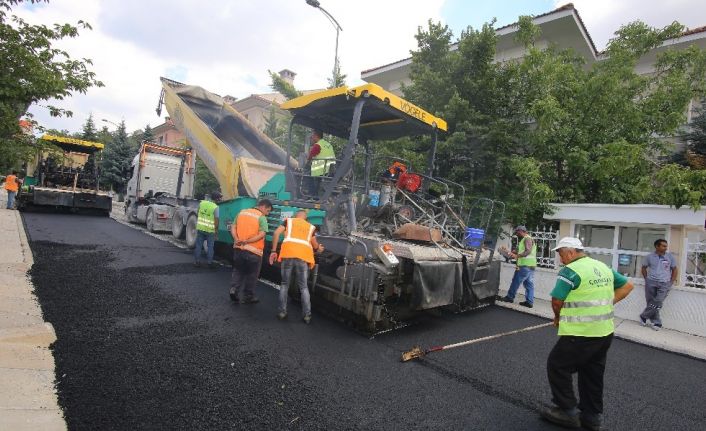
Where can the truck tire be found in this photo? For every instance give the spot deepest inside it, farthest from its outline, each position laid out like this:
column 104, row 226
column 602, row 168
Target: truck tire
column 191, row 231
column 149, row 221
column 177, row 226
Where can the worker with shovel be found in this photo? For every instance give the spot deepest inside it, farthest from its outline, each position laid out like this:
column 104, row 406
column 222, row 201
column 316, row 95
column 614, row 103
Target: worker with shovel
column 582, row 301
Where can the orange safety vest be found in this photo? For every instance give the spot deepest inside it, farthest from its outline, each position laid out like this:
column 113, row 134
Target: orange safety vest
column 297, row 241
column 247, row 225
column 11, row 183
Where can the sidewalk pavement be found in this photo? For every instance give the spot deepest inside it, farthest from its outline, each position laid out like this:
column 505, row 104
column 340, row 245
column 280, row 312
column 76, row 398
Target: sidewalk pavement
column 28, row 400
column 665, row 339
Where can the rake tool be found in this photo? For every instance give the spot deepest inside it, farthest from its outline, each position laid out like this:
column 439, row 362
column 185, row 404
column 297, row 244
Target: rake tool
column 417, row 351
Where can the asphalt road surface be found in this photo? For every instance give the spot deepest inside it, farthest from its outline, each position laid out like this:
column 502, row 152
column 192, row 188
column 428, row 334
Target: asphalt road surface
column 146, row 341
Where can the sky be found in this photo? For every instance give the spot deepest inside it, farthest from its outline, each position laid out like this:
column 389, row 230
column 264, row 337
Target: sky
column 228, row 46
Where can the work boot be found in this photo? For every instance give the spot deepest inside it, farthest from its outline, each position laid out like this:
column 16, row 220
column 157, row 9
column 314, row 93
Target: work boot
column 526, row 304
column 590, row 422
column 657, row 326
column 234, row 296
column 643, row 322
column 250, row 300
column 506, row 299
column 561, row 417
column 197, row 264
column 281, row 315
column 307, row 319
column 212, row 265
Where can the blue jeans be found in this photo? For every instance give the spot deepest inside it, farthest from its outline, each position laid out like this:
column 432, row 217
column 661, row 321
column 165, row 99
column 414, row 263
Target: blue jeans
column 523, row 275
column 301, row 270
column 11, row 199
column 210, row 238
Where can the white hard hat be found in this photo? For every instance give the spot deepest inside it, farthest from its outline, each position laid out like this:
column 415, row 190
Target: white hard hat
column 569, row 242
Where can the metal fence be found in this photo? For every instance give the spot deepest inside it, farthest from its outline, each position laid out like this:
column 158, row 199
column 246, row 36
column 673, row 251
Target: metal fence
column 695, row 271
column 545, row 238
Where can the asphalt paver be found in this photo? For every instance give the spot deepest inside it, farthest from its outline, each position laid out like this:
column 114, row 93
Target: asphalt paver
column 147, row 341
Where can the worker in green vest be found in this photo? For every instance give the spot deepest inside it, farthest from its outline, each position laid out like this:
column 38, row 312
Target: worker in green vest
column 582, row 301
column 207, row 228
column 526, row 256
column 321, row 158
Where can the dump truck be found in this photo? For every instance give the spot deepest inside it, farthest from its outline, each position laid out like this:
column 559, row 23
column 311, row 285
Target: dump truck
column 67, row 179
column 396, row 245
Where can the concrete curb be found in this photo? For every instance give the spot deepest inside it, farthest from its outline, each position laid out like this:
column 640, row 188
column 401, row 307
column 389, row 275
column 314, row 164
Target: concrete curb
column 673, row 341
column 28, row 399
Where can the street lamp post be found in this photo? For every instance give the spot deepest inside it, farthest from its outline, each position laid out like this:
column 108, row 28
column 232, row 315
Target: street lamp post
column 337, row 26
column 111, row 122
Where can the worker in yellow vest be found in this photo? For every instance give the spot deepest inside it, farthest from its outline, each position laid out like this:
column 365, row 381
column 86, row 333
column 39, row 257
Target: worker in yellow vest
column 248, row 229
column 582, row 301
column 296, row 255
column 322, row 158
column 207, row 228
column 12, row 185
column 526, row 256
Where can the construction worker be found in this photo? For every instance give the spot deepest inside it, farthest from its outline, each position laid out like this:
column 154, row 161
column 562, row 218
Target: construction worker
column 207, row 228
column 248, row 229
column 582, row 301
column 524, row 271
column 321, row 155
column 297, row 254
column 12, row 185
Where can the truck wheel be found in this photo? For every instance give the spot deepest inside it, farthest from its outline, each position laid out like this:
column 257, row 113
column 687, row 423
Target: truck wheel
column 177, row 226
column 149, row 221
column 191, row 231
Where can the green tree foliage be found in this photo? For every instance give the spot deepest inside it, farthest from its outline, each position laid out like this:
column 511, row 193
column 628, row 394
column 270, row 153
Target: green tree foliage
column 116, row 160
column 148, row 135
column 549, row 127
column 697, row 134
column 89, row 133
column 283, row 87
column 204, row 181
column 32, row 70
column 338, row 79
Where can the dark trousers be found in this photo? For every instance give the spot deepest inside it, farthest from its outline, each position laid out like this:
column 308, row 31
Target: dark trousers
column 246, row 270
column 585, row 356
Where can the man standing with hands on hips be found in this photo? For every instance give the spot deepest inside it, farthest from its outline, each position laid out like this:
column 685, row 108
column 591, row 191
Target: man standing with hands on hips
column 248, row 230
column 582, row 300
column 660, row 272
column 297, row 255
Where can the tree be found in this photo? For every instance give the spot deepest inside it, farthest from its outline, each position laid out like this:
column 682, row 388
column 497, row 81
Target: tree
column 148, row 135
column 283, row 87
column 116, row 160
column 204, row 181
column 32, row 70
column 549, row 127
column 89, row 133
column 338, row 79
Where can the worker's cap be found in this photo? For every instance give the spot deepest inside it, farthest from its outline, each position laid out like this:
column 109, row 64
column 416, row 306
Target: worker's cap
column 216, row 195
column 520, row 228
column 569, row 242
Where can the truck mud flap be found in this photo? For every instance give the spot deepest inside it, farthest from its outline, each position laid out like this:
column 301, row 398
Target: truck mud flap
column 435, row 284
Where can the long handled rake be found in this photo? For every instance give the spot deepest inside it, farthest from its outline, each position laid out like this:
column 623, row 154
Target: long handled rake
column 417, row 351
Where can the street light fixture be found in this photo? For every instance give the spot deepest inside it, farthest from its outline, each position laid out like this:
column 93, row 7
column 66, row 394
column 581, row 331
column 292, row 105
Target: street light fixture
column 108, row 121
column 316, row 4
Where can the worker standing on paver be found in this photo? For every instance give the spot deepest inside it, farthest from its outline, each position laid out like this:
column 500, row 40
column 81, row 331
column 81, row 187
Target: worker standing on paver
column 12, row 185
column 660, row 272
column 207, row 228
column 524, row 271
column 582, row 301
column 248, row 229
column 297, row 255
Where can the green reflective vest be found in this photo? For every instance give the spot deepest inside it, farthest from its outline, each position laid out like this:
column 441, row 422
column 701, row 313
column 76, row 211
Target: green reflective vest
column 588, row 310
column 530, row 259
column 320, row 164
column 206, row 221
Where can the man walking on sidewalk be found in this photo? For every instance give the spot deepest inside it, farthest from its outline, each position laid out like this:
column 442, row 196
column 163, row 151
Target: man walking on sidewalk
column 207, row 228
column 248, row 229
column 659, row 270
column 524, row 272
column 582, row 301
column 297, row 255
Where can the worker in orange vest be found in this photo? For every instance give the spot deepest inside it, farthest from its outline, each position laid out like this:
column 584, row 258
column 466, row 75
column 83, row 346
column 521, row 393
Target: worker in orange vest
column 297, row 255
column 248, row 229
column 12, row 185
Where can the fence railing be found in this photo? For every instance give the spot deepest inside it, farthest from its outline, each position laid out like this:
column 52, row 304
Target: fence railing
column 695, row 271
column 545, row 238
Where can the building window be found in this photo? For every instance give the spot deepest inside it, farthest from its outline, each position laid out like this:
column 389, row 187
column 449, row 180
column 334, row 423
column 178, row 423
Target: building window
column 620, row 246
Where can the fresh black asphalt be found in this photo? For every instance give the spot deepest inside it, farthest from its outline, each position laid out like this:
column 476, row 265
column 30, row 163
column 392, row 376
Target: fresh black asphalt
column 146, row 341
